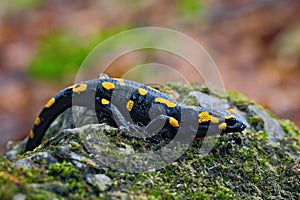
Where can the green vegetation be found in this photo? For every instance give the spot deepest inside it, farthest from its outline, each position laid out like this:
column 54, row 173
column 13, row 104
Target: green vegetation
column 190, row 8
column 61, row 54
column 70, row 177
column 18, row 5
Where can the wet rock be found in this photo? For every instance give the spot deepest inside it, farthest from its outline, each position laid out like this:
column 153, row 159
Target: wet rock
column 73, row 117
column 100, row 181
column 36, row 159
column 19, row 196
column 209, row 101
column 270, row 125
column 12, row 153
column 83, row 163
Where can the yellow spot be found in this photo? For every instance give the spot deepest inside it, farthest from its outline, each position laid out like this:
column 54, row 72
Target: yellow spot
column 79, row 88
column 214, row 119
column 121, row 81
column 223, row 126
column 232, row 111
column 173, row 122
column 129, row 105
column 228, row 117
column 37, row 121
column 206, row 117
column 108, row 85
column 101, row 77
column 142, row 91
column 50, row 103
column 165, row 101
column 31, row 134
column 104, row 101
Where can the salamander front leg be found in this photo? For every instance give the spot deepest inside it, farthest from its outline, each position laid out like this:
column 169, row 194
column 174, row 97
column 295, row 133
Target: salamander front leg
column 156, row 125
column 125, row 125
column 161, row 124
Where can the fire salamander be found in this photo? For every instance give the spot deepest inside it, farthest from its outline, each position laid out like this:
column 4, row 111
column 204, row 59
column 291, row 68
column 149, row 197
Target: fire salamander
column 134, row 107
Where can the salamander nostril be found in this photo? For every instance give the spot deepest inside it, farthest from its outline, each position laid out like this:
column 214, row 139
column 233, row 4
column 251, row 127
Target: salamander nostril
column 244, row 126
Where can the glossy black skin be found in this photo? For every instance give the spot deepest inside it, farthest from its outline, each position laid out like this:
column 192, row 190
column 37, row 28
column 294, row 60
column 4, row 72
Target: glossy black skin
column 144, row 110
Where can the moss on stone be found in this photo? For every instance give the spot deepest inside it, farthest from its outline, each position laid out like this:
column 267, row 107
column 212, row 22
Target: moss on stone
column 240, row 166
column 256, row 122
column 292, row 139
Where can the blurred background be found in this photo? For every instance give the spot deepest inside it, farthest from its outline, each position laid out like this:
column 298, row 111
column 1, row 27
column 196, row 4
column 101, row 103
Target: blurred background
column 255, row 44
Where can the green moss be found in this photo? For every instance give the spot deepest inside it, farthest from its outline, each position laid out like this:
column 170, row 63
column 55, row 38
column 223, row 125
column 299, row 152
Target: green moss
column 71, row 177
column 65, row 171
column 183, row 92
column 17, row 180
column 290, row 128
column 256, row 122
column 292, row 139
column 239, row 100
column 233, row 170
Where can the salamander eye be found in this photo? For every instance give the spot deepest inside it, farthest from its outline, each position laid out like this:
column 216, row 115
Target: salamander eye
column 231, row 121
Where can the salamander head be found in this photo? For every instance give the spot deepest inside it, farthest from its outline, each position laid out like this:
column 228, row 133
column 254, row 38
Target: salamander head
column 219, row 121
column 234, row 123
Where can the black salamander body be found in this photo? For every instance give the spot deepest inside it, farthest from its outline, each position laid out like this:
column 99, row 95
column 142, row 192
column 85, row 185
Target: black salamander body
column 134, row 107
